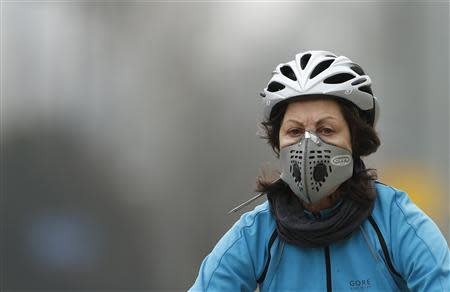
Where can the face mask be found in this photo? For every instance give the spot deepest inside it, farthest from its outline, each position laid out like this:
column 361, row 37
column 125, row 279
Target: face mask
column 313, row 168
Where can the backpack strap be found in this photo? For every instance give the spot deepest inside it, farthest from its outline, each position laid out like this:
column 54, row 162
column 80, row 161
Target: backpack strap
column 266, row 266
column 384, row 247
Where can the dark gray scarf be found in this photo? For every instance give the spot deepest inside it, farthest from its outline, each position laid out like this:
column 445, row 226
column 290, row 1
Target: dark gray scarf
column 295, row 226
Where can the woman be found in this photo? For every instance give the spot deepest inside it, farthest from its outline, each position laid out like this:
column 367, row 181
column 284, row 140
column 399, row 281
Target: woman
column 327, row 224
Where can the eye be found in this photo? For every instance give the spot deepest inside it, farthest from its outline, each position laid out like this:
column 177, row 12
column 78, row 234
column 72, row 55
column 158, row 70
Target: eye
column 326, row 131
column 295, row 132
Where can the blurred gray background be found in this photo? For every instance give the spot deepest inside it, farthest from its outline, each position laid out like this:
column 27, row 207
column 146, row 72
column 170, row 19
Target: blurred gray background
column 129, row 129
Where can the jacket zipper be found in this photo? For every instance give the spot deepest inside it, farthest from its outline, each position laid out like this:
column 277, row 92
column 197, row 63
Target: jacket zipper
column 328, row 268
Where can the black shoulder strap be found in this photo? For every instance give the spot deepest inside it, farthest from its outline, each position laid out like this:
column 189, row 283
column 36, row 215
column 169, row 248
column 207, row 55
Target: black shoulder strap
column 384, row 247
column 266, row 266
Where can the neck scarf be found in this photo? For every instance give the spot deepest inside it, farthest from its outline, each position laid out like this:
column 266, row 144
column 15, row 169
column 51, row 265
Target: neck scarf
column 295, row 226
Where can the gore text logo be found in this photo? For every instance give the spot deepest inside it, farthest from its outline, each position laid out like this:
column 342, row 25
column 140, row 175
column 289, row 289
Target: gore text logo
column 360, row 284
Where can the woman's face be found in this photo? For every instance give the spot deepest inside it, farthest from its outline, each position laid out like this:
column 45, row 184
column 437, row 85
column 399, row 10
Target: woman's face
column 322, row 116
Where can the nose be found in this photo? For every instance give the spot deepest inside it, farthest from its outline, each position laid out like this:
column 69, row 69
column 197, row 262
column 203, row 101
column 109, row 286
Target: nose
column 311, row 135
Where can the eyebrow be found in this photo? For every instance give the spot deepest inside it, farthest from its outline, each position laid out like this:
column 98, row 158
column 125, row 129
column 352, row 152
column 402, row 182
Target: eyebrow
column 318, row 122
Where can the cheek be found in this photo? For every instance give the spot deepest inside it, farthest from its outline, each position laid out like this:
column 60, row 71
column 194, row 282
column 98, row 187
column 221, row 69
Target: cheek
column 286, row 140
column 282, row 140
column 342, row 139
column 347, row 141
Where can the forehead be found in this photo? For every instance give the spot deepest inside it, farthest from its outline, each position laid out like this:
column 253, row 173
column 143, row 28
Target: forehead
column 313, row 110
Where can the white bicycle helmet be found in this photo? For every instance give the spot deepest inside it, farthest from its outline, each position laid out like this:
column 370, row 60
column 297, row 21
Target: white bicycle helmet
column 321, row 73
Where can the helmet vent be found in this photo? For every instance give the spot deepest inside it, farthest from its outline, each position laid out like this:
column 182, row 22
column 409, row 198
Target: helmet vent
column 304, row 60
column 275, row 86
column 288, row 72
column 338, row 78
column 358, row 70
column 322, row 66
column 359, row 81
column 366, row 89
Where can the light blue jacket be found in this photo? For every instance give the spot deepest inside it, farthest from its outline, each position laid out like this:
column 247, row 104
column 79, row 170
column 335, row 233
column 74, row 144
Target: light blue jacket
column 397, row 248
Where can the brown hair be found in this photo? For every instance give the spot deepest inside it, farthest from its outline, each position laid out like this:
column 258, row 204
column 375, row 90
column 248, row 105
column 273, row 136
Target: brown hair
column 364, row 141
